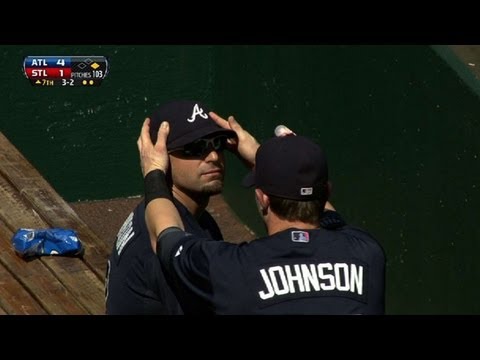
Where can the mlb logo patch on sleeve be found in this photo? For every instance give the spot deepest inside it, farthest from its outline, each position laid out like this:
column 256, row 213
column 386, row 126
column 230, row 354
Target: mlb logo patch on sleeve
column 300, row 236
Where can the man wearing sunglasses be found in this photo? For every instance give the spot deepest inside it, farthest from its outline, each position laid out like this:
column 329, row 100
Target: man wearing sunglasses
column 135, row 283
column 311, row 262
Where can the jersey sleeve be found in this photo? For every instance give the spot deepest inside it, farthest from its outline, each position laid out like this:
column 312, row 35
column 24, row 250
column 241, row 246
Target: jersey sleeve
column 186, row 259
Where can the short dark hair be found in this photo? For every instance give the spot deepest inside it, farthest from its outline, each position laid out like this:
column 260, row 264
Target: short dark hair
column 309, row 212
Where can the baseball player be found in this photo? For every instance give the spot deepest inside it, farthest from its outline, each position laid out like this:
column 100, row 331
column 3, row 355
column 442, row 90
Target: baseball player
column 311, row 262
column 135, row 282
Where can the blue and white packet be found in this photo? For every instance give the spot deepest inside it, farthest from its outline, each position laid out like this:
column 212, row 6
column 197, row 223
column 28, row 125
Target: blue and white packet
column 55, row 241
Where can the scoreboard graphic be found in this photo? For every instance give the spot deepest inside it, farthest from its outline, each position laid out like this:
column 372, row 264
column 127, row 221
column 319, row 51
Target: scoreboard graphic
column 65, row 70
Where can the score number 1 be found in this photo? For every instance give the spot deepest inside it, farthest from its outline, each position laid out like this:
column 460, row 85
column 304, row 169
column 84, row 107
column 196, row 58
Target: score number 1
column 61, row 62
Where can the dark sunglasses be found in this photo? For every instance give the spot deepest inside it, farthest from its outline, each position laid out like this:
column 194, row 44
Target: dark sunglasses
column 203, row 146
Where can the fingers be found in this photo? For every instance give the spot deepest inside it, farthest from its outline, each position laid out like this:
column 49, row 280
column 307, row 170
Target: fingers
column 141, row 141
column 231, row 124
column 153, row 156
column 219, row 120
column 234, row 125
column 232, row 141
column 144, row 134
column 163, row 132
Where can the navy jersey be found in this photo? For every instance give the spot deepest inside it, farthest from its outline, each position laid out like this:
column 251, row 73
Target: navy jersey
column 340, row 270
column 135, row 282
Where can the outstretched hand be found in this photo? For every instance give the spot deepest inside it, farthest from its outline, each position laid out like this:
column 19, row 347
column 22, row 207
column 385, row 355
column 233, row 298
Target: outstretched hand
column 153, row 157
column 245, row 145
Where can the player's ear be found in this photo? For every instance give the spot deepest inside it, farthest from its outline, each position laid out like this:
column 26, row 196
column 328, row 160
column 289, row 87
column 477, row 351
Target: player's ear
column 262, row 199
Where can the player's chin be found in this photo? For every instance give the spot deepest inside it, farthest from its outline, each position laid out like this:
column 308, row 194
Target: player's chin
column 213, row 187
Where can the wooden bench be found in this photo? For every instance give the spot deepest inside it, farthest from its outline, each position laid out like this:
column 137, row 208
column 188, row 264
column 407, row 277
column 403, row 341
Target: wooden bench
column 46, row 284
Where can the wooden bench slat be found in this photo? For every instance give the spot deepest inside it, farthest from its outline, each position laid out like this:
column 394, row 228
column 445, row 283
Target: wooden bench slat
column 29, row 202
column 41, row 282
column 14, row 209
column 72, row 272
column 49, row 205
column 14, row 299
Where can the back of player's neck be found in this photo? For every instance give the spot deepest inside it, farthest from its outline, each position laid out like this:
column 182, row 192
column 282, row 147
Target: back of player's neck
column 277, row 225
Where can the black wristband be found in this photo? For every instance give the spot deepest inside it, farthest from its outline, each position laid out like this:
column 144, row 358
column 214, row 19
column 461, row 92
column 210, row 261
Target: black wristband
column 156, row 186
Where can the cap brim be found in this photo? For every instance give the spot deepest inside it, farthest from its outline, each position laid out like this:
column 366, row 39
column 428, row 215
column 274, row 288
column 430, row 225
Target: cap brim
column 198, row 134
column 249, row 179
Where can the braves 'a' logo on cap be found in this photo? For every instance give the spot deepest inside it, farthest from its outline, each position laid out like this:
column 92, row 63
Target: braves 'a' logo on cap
column 197, row 111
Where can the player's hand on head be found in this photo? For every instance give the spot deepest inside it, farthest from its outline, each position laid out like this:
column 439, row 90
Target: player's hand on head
column 153, row 157
column 245, row 145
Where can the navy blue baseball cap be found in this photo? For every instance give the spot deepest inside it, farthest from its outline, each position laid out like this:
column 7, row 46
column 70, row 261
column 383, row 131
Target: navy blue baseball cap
column 290, row 167
column 189, row 121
